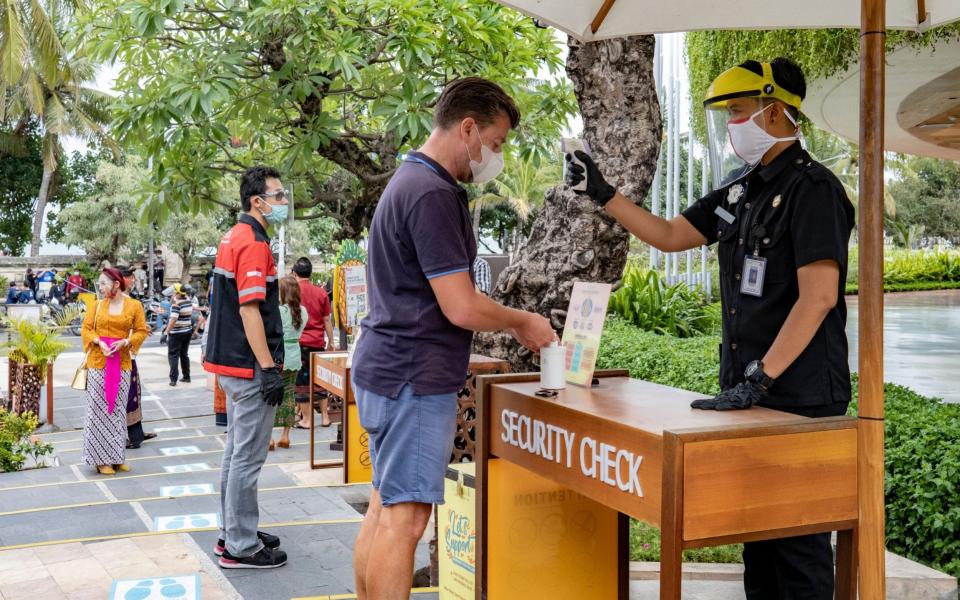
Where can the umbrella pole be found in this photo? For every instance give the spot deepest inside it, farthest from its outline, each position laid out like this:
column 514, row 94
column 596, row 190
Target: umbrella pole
column 870, row 541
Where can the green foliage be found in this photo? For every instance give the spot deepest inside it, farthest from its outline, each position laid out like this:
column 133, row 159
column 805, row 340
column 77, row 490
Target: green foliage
column 107, row 224
column 927, row 192
column 645, row 546
column 922, row 456
column 16, row 442
column 21, row 170
column 908, row 270
column 819, row 52
column 34, row 343
column 647, row 301
column 922, row 478
column 690, row 364
column 187, row 235
column 505, row 208
column 329, row 92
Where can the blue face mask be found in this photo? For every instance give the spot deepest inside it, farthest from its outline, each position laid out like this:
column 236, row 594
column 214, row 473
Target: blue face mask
column 277, row 215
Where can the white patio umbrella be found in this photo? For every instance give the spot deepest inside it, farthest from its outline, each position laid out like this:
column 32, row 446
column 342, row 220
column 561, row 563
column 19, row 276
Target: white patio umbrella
column 589, row 20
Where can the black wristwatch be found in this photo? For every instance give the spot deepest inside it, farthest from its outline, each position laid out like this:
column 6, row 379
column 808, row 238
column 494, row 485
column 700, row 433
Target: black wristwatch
column 754, row 373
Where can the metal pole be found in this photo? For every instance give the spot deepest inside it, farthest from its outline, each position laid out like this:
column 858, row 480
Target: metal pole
column 690, row 198
column 150, row 275
column 704, row 250
column 668, row 189
column 675, row 263
column 870, row 403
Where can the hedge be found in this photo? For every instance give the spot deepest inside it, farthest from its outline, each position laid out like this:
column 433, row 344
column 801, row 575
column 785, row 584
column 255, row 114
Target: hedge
column 922, row 444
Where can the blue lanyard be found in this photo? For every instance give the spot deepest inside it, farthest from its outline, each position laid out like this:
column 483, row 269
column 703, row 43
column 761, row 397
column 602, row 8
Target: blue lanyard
column 417, row 159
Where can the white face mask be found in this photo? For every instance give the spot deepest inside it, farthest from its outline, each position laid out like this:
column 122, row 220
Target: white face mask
column 490, row 165
column 750, row 141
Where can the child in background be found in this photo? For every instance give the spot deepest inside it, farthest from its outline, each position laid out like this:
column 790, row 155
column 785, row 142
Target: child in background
column 294, row 319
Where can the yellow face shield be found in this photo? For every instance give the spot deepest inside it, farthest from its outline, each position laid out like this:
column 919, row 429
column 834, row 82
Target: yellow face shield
column 730, row 91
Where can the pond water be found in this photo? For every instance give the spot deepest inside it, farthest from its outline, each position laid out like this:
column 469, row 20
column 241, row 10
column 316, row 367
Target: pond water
column 921, row 341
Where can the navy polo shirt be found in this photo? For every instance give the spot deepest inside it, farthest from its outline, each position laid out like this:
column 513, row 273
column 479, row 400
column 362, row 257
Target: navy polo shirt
column 421, row 230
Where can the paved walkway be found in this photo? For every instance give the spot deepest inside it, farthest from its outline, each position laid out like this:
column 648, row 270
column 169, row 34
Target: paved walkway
column 67, row 532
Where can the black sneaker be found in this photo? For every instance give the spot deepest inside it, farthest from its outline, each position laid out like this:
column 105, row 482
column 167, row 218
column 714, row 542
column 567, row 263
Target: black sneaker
column 173, row 384
column 270, row 541
column 265, row 559
column 185, row 380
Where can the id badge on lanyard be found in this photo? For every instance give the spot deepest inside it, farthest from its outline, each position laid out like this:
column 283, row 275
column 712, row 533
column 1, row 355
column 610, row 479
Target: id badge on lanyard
column 754, row 270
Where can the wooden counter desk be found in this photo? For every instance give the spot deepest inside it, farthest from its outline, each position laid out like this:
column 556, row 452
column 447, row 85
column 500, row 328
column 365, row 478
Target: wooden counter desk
column 330, row 371
column 558, row 477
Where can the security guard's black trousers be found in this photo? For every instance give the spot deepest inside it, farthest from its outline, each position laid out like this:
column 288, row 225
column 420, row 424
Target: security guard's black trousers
column 797, row 568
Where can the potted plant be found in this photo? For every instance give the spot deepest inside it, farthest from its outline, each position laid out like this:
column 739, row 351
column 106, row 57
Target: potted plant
column 32, row 346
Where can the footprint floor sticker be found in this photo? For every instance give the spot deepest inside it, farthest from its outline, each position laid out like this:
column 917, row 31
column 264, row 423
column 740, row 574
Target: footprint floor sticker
column 195, row 521
column 180, row 587
column 180, row 450
column 188, row 468
column 192, row 489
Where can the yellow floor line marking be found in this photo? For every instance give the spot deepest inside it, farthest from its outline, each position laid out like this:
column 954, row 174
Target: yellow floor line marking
column 217, row 451
column 117, row 536
column 427, row 590
column 335, row 461
column 219, row 437
column 153, row 498
column 46, row 435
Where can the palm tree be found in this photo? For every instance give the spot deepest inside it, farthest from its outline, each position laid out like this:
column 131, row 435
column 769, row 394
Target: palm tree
column 521, row 187
column 41, row 79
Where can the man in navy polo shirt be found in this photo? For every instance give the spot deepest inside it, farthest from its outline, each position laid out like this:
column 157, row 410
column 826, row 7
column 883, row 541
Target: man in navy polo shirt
column 412, row 357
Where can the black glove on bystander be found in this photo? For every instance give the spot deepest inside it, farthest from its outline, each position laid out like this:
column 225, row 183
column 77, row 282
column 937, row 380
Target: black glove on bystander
column 597, row 187
column 744, row 395
column 271, row 386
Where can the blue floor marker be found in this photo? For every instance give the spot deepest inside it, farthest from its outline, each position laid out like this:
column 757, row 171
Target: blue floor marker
column 178, row 587
column 188, row 468
column 190, row 489
column 178, row 522
column 180, row 450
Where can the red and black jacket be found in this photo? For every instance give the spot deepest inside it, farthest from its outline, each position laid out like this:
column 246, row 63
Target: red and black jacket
column 244, row 272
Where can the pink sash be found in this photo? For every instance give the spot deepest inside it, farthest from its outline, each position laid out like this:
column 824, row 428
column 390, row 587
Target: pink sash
column 111, row 376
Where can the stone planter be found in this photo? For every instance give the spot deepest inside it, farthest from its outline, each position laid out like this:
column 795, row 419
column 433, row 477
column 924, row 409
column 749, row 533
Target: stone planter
column 26, row 382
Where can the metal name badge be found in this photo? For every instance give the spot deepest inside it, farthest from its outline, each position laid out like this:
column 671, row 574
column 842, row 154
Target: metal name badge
column 724, row 214
column 751, row 280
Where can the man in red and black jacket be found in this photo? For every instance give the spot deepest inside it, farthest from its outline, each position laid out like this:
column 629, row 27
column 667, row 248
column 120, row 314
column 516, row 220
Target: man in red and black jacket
column 245, row 348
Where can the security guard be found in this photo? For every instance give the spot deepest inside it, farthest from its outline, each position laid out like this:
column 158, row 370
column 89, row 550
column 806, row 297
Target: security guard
column 782, row 223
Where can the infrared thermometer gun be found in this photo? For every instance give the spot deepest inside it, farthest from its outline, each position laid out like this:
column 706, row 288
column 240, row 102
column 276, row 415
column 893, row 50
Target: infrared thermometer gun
column 570, row 146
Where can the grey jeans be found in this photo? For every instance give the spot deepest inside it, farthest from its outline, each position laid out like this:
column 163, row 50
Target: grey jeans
column 248, row 434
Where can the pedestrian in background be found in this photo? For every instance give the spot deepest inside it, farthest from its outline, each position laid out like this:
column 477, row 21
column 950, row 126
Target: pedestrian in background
column 135, row 433
column 294, row 318
column 111, row 333
column 317, row 336
column 179, row 332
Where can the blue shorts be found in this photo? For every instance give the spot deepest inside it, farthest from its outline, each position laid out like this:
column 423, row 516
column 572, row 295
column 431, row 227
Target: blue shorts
column 411, row 438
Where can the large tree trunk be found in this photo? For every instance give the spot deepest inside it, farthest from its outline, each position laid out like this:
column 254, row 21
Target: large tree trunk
column 571, row 240
column 185, row 258
column 41, row 208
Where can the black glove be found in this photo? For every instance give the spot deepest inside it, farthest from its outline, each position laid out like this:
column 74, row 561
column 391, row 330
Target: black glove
column 744, row 395
column 271, row 385
column 597, row 187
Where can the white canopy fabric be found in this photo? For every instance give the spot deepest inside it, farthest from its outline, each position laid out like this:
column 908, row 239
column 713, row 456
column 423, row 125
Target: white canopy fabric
column 634, row 17
column 834, row 103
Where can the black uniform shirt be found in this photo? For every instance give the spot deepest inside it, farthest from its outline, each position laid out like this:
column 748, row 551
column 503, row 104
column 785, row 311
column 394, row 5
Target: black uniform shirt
column 792, row 212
